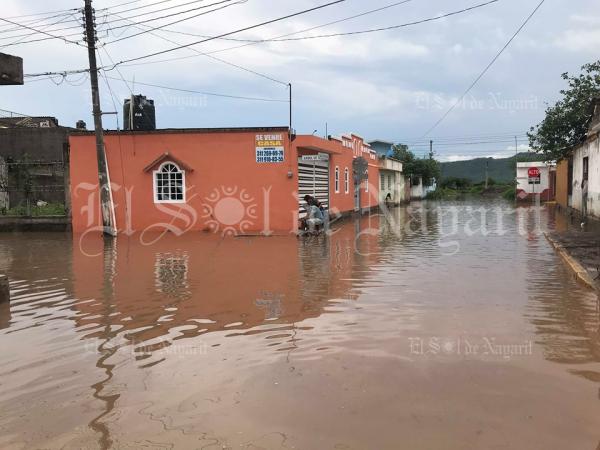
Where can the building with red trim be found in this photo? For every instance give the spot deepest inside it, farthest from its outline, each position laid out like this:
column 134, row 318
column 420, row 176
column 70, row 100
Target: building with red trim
column 227, row 180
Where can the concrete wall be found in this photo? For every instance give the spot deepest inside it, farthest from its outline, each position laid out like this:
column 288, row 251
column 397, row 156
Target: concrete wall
column 45, row 144
column 226, row 188
column 3, row 185
column 591, row 150
column 36, row 144
column 11, row 69
column 417, row 190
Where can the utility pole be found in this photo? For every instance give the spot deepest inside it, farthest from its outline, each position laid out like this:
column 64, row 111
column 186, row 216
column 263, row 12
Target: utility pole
column 290, row 86
column 106, row 202
column 430, row 149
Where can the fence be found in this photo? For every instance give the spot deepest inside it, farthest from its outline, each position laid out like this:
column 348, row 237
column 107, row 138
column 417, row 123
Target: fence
column 33, row 188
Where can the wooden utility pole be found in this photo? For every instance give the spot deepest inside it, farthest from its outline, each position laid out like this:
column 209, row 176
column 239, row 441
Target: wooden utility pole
column 107, row 206
column 290, row 87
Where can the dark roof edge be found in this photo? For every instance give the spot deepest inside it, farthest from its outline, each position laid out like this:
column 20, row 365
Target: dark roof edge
column 185, row 130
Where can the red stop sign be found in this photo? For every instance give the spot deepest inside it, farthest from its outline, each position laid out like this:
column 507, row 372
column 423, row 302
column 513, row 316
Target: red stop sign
column 533, row 172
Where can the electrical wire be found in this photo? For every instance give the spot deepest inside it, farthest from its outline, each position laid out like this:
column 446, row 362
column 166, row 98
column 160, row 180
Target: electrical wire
column 4, row 28
column 42, row 32
column 393, row 27
column 365, row 13
column 134, row 16
column 211, row 94
column 280, row 37
column 250, row 27
column 262, row 75
column 19, row 40
column 227, row 5
column 484, row 71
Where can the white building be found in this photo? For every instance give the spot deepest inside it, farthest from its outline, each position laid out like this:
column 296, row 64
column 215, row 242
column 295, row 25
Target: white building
column 391, row 181
column 419, row 191
column 544, row 185
column 585, row 166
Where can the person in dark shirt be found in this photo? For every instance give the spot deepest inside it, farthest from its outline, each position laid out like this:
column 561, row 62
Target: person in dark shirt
column 313, row 201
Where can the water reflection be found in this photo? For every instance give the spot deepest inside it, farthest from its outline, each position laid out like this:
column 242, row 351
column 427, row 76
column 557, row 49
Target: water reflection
column 159, row 343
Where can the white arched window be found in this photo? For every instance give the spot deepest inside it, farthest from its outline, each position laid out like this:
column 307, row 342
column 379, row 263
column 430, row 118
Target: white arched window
column 346, row 181
column 169, row 184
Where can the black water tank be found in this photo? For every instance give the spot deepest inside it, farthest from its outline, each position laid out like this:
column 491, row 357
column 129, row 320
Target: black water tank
column 141, row 116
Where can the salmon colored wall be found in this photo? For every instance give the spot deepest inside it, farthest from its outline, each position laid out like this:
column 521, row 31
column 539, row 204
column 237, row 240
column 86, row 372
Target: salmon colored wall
column 341, row 202
column 341, row 154
column 370, row 199
column 258, row 196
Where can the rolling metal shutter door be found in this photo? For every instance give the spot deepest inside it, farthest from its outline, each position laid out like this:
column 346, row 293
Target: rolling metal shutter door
column 313, row 179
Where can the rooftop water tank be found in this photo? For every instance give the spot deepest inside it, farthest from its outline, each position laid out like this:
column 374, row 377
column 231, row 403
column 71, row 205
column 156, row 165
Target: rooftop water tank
column 139, row 114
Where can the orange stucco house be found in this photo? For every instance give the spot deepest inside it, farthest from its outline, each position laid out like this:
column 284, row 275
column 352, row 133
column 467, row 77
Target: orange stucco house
column 226, row 180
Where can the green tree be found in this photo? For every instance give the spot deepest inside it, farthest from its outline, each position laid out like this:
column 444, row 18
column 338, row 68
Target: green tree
column 565, row 123
column 427, row 168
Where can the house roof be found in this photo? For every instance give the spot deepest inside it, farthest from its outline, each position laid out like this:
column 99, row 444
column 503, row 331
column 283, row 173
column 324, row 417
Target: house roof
column 380, row 141
column 166, row 156
column 281, row 129
column 29, row 122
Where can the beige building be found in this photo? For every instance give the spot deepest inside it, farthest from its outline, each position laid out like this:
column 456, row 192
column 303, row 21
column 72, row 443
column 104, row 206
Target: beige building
column 391, row 180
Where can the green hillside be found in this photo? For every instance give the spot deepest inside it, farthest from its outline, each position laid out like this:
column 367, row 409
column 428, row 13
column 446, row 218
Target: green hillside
column 501, row 170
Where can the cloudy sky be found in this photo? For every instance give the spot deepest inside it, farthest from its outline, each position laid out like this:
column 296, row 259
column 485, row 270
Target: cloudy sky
column 393, row 85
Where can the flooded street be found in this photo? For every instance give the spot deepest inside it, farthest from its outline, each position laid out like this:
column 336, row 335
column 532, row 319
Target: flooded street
column 435, row 328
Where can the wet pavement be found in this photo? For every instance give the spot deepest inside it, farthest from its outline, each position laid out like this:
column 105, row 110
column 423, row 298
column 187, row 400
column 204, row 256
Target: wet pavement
column 435, row 328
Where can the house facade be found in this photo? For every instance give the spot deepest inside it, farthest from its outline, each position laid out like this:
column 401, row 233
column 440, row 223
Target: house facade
column 391, row 178
column 543, row 185
column 578, row 176
column 391, row 181
column 227, row 180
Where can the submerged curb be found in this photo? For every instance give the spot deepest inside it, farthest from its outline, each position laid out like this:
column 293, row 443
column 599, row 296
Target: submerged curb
column 580, row 272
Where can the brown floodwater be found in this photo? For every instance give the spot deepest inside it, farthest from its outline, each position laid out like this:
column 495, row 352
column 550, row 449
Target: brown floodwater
column 434, row 328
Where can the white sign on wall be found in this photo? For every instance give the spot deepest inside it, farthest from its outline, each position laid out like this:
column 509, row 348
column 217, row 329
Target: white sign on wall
column 269, row 148
column 317, row 157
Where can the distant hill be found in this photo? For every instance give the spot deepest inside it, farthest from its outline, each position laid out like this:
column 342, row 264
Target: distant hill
column 501, row 169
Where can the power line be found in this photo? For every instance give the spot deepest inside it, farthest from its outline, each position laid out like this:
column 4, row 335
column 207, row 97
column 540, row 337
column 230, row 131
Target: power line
column 75, row 10
column 262, row 75
column 268, row 22
column 457, row 144
column 177, row 21
column 4, row 27
column 149, row 12
column 484, row 71
column 279, row 38
column 118, row 71
column 393, row 27
column 256, row 41
column 131, row 17
column 19, row 40
column 42, row 32
column 44, row 13
column 212, row 94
